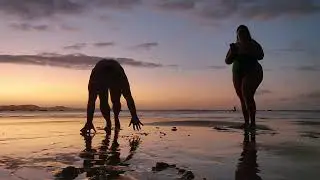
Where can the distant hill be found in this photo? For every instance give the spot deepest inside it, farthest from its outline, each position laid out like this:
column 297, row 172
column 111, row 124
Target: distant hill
column 31, row 107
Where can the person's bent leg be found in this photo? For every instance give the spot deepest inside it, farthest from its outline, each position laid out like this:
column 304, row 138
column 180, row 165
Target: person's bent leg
column 105, row 108
column 116, row 105
column 237, row 82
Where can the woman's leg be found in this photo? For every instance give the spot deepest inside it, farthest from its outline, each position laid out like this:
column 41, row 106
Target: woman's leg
column 105, row 108
column 115, row 94
column 237, row 82
column 249, row 86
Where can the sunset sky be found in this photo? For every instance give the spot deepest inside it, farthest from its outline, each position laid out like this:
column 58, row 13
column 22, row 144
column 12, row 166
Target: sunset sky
column 173, row 51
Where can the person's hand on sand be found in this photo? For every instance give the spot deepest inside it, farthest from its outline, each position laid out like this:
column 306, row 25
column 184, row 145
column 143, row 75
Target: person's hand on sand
column 87, row 128
column 136, row 123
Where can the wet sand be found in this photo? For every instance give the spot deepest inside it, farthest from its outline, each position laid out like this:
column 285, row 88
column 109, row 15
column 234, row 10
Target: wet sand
column 52, row 148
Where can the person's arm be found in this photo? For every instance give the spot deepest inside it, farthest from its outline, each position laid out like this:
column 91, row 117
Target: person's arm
column 91, row 106
column 90, row 112
column 258, row 51
column 126, row 92
column 231, row 54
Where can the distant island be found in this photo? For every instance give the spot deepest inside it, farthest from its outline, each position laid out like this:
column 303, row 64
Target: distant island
column 34, row 108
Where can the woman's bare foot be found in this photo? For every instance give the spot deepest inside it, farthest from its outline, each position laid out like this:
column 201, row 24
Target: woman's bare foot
column 107, row 129
column 87, row 128
column 244, row 125
column 253, row 125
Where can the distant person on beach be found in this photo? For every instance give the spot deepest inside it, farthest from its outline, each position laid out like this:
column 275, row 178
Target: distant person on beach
column 108, row 75
column 247, row 72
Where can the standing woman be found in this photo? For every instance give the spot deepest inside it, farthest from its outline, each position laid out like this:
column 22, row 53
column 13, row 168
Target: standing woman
column 247, row 72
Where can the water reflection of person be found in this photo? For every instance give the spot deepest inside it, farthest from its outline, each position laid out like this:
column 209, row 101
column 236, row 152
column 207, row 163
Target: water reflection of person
column 248, row 168
column 102, row 162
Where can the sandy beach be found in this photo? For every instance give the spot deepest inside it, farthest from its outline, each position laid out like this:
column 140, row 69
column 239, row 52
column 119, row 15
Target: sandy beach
column 208, row 145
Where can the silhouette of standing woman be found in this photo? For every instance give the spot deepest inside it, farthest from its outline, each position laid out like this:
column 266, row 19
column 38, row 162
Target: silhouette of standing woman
column 108, row 75
column 247, row 72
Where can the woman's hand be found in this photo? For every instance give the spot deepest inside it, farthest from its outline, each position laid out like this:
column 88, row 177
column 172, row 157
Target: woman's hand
column 136, row 123
column 87, row 128
column 233, row 50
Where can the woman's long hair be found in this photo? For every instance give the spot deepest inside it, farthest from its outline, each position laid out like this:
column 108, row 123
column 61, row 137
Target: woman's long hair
column 246, row 30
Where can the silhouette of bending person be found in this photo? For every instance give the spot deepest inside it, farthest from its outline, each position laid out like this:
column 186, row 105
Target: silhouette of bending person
column 247, row 72
column 108, row 75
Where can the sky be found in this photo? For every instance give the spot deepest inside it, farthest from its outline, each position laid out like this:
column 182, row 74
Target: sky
column 173, row 51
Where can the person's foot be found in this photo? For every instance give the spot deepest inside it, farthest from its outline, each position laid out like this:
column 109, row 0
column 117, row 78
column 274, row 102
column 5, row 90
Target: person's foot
column 87, row 128
column 108, row 126
column 253, row 126
column 244, row 125
column 107, row 129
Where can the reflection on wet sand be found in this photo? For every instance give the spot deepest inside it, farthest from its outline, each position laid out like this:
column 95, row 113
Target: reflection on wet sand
column 248, row 168
column 103, row 162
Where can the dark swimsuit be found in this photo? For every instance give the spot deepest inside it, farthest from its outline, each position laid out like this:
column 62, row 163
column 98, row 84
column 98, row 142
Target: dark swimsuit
column 244, row 65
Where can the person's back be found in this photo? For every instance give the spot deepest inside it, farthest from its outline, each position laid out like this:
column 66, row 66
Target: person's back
column 108, row 75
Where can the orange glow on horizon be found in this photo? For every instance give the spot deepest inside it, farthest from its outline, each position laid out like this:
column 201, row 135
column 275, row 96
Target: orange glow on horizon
column 47, row 86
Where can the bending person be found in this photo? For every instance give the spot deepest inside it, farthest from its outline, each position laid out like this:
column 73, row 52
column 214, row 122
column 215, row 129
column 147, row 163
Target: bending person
column 247, row 72
column 108, row 75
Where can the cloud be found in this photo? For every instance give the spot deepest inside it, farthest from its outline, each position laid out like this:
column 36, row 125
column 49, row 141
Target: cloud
column 288, row 50
column 248, row 9
column 103, row 44
column 29, row 27
column 308, row 68
column 310, row 99
column 119, row 4
column 72, row 61
column 297, row 46
column 33, row 9
column 177, row 4
column 263, row 91
column 208, row 9
column 77, row 46
column 217, row 67
column 37, row 9
column 68, row 27
column 146, row 46
column 285, row 99
column 307, row 100
column 313, row 95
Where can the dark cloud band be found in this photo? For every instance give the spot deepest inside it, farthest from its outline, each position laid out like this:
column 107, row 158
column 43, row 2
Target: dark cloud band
column 146, row 46
column 72, row 61
column 77, row 46
column 211, row 9
column 29, row 27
